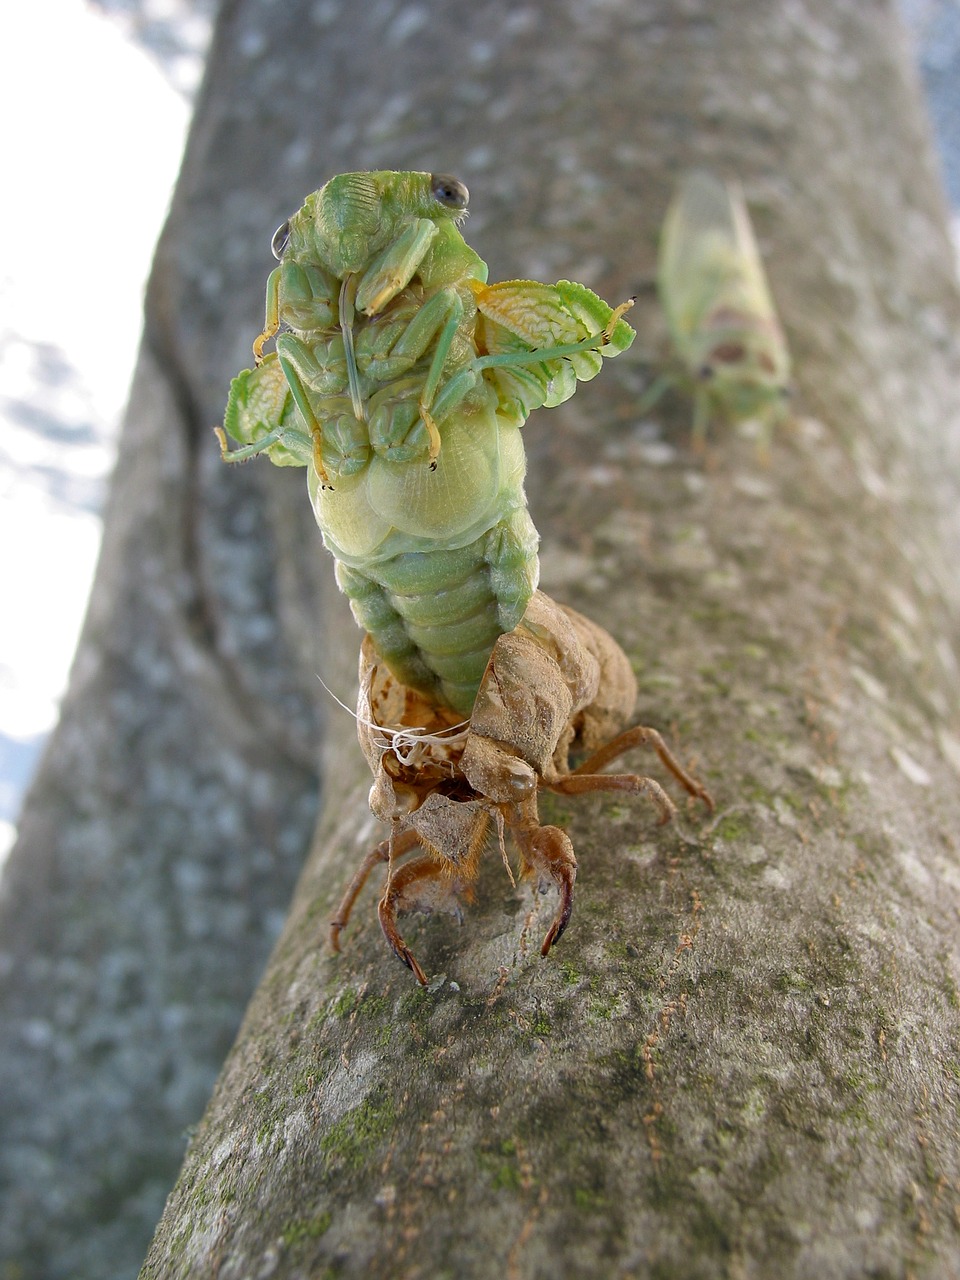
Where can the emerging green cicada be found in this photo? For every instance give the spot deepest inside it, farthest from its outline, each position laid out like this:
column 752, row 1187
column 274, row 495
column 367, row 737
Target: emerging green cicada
column 401, row 383
column 723, row 325
column 400, row 380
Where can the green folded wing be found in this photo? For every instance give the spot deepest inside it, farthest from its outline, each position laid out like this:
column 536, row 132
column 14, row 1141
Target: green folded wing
column 533, row 327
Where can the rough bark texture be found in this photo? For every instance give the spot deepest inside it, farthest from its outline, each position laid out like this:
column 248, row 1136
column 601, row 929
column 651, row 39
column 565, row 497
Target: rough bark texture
column 742, row 1059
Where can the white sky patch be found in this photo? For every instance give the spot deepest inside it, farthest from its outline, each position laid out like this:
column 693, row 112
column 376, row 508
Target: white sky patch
column 91, row 169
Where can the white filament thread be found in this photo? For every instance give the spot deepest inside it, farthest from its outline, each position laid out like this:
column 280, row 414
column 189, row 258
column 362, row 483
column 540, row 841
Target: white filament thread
column 407, row 744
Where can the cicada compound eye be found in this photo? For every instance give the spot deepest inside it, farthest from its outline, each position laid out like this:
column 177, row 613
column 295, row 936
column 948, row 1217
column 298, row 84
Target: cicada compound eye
column 280, row 238
column 449, row 191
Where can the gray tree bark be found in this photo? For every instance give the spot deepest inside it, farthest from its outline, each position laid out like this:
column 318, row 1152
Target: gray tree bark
column 742, row 1058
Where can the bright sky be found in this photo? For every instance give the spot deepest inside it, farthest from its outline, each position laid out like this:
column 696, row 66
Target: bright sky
column 92, row 142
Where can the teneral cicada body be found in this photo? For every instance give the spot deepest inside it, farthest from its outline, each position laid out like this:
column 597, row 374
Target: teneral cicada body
column 557, row 685
column 719, row 310
column 400, row 380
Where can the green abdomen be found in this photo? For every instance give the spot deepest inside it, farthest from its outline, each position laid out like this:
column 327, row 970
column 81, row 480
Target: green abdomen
column 436, row 615
column 436, row 563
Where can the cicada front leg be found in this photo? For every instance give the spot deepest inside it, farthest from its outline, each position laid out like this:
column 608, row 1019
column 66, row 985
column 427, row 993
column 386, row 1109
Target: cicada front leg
column 419, row 885
column 546, row 852
column 299, row 295
column 454, row 843
column 391, row 272
column 387, row 353
column 428, row 883
column 272, row 321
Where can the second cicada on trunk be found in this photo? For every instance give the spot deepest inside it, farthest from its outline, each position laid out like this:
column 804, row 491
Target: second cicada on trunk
column 727, row 338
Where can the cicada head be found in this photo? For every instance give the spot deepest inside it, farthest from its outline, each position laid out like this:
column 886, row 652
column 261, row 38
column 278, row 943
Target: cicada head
column 355, row 216
column 744, row 363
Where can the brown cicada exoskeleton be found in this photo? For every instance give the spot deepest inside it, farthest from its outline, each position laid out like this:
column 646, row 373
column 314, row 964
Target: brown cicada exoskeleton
column 557, row 685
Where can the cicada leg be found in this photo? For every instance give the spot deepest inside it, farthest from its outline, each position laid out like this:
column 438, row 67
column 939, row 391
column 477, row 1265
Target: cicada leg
column 615, row 317
column 381, row 852
column 587, row 776
column 437, row 364
column 549, row 852
column 434, row 434
column 573, row 784
column 347, row 312
column 272, row 320
column 437, row 321
column 318, row 460
column 302, row 401
column 243, row 452
column 413, row 885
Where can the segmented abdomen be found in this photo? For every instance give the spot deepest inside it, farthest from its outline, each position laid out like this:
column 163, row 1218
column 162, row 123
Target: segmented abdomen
column 436, row 563
column 435, row 615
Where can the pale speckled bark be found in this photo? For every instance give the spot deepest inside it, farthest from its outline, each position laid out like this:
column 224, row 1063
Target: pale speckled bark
column 742, row 1059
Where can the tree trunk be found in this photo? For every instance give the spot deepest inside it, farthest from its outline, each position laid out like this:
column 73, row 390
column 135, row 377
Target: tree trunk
column 742, row 1058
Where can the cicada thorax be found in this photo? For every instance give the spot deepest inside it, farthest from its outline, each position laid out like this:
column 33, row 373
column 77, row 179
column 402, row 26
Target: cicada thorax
column 388, row 416
column 395, row 388
column 437, row 558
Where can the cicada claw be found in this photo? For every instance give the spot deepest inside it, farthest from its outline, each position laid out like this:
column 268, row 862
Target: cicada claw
column 548, row 850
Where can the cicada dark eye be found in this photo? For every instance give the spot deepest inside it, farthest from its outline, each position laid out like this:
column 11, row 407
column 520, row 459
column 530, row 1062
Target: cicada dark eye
column 280, row 238
column 449, row 191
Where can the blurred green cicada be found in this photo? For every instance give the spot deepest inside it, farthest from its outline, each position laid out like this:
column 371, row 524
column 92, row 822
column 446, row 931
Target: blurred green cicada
column 724, row 328
column 400, row 379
